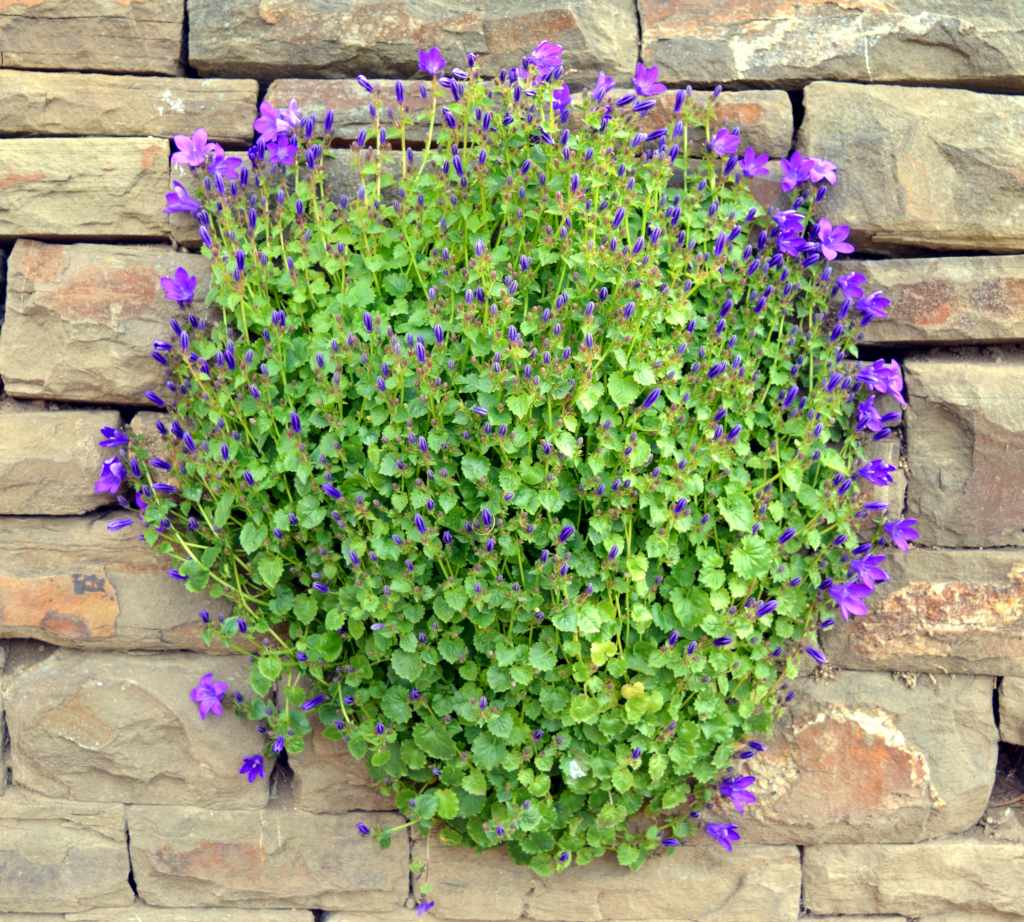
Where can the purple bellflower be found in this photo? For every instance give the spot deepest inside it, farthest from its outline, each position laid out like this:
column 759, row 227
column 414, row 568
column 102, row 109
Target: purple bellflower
column 645, row 80
column 180, row 287
column 192, row 151
column 884, row 378
column 111, row 476
column 735, row 789
column 207, row 695
column 432, row 61
column 850, row 598
column 252, row 766
column 902, row 532
column 723, row 833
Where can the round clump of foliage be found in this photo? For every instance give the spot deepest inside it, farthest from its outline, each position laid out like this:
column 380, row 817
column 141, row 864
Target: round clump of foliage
column 530, row 460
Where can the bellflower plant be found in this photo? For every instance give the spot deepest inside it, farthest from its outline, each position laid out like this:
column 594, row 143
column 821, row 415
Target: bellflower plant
column 532, row 466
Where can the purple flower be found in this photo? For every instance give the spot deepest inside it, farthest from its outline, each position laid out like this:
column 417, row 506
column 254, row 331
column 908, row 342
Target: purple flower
column 851, row 284
column 362, row 829
column 873, row 307
column 723, row 833
column 671, row 842
column 111, row 476
column 725, row 143
column 795, row 170
column 562, row 99
column 884, row 378
column 266, row 123
column 178, row 200
column 867, row 416
column 833, row 239
column 224, row 167
column 180, row 287
column 645, row 80
column 421, row 526
column 118, row 524
column 902, row 532
column 566, row 533
column 651, row 399
column 207, row 694
column 313, row 702
column 432, row 61
column 112, row 438
column 753, row 164
column 192, row 151
column 877, row 472
column 546, row 57
column 817, row 170
column 252, row 766
column 815, row 654
column 424, row 906
column 850, row 598
column 331, row 490
column 869, row 570
column 602, row 86
column 736, row 790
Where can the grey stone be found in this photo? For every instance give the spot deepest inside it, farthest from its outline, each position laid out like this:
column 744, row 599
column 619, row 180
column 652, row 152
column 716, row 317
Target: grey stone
column 1011, row 710
column 142, row 913
column 965, row 433
column 933, row 168
column 121, row 727
column 98, row 307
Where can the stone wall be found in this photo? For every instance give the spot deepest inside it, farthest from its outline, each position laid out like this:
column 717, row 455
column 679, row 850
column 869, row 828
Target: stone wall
column 887, row 793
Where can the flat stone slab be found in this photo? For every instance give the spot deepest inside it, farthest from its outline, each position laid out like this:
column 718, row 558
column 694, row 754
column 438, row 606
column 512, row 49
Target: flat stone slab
column 50, row 461
column 121, row 727
column 920, row 167
column 326, row 779
column 305, row 38
column 69, row 582
column 98, row 308
column 1011, row 710
column 941, row 302
column 64, row 188
column 48, row 103
column 59, row 856
column 785, row 44
column 915, row 763
column 965, row 438
column 274, row 858
column 943, row 611
column 141, row 36
column 953, row 875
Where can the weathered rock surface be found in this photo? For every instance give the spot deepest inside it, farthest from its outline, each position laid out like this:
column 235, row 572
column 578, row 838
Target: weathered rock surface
column 120, row 727
column 943, row 611
column 139, row 37
column 765, row 117
column 864, row 758
column 934, row 168
column 68, row 581
column 965, row 435
column 185, row 856
column 965, row 874
column 50, row 461
column 142, row 913
column 98, row 308
column 45, row 103
column 975, row 299
column 58, row 856
column 1011, row 710
column 83, row 187
column 787, row 43
column 326, row 779
column 703, row 884
column 305, row 38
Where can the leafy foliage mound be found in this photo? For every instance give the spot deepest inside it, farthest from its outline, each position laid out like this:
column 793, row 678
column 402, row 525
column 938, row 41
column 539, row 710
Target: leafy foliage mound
column 531, row 464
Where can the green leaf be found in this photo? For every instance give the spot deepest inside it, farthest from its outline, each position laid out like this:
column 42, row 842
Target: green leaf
column 737, row 512
column 434, row 740
column 407, row 666
column 252, row 537
column 590, row 396
column 474, row 468
column 269, row 666
column 623, row 390
column 269, row 569
column 542, row 657
column 752, row 558
column 475, row 783
column 447, row 804
column 222, row 511
column 488, row 751
column 520, row 404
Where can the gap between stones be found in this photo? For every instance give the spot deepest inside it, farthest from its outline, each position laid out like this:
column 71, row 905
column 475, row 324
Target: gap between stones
column 639, row 32
column 796, row 100
column 131, row 869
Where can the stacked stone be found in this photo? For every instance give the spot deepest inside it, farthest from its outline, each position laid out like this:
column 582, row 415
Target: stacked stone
column 117, row 803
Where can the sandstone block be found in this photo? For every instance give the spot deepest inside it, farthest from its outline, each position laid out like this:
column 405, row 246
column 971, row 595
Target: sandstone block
column 46, row 103
column 954, row 875
column 68, row 581
column 965, row 433
column 942, row 611
column 787, row 44
column 58, row 856
column 77, row 187
column 920, row 167
column 121, row 727
column 50, row 461
column 142, row 36
column 326, row 779
column 186, row 856
column 692, row 884
column 864, row 758
column 305, row 38
column 976, row 299
column 764, row 117
column 98, row 308
column 1011, row 710
column 142, row 913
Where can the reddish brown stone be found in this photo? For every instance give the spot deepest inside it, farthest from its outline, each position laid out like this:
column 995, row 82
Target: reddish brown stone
column 136, row 36
column 914, row 762
column 965, row 435
column 98, row 308
column 975, row 299
column 942, row 611
column 70, row 582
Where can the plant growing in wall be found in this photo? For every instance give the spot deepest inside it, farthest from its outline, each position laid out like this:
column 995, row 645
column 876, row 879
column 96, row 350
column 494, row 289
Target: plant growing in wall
column 530, row 469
